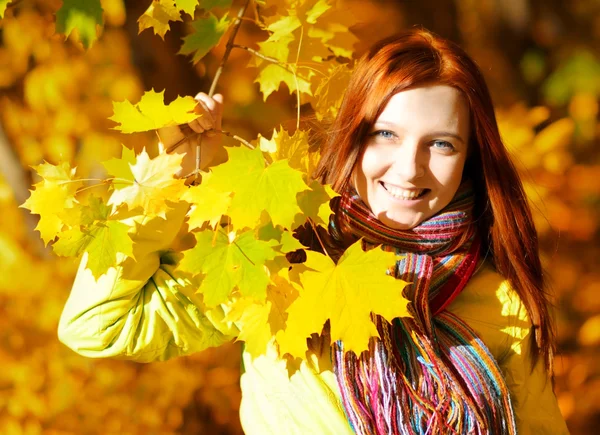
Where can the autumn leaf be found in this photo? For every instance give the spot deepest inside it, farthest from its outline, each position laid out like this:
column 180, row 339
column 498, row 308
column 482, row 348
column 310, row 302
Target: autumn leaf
column 207, row 205
column 207, row 34
column 252, row 319
column 300, row 34
column 257, row 187
column 52, row 197
column 346, row 294
column 228, row 262
column 330, row 92
column 121, row 168
column 314, row 204
column 3, row 5
column 187, row 6
column 294, row 148
column 153, row 184
column 158, row 15
column 82, row 16
column 286, row 241
column 98, row 235
column 270, row 77
column 151, row 113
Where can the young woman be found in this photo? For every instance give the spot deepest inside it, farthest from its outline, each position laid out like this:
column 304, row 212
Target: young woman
column 417, row 157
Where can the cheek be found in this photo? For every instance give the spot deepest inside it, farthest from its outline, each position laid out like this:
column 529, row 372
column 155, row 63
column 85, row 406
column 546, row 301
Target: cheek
column 371, row 165
column 449, row 175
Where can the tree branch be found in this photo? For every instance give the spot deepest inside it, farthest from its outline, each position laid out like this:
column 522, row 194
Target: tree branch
column 213, row 86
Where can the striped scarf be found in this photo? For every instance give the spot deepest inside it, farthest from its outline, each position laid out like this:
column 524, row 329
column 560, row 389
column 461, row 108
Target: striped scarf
column 429, row 374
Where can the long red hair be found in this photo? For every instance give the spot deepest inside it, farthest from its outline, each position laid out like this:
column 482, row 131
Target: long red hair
column 417, row 58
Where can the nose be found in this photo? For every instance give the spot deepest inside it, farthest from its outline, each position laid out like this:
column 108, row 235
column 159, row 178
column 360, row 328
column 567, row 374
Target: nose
column 409, row 161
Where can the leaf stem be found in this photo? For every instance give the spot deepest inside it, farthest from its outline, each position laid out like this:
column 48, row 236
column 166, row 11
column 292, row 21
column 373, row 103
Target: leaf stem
column 314, row 227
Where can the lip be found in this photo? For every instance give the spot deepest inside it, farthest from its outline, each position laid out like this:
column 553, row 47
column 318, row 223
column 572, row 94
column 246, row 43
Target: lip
column 400, row 187
column 404, row 202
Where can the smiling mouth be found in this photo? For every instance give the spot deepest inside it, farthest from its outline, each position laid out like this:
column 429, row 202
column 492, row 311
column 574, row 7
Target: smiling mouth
column 398, row 193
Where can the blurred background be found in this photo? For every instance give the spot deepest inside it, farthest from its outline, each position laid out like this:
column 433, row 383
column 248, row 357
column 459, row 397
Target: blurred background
column 541, row 59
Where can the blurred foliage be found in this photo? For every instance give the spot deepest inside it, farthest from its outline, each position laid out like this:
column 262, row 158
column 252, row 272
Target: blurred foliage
column 540, row 59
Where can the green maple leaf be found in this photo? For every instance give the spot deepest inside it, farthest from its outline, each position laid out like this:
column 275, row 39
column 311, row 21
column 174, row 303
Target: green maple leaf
column 207, row 34
column 102, row 240
column 257, row 187
column 346, row 294
column 82, row 15
column 97, row 235
column 96, row 210
column 229, row 262
column 151, row 113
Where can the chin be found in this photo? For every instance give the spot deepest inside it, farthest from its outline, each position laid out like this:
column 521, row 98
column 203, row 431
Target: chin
column 404, row 224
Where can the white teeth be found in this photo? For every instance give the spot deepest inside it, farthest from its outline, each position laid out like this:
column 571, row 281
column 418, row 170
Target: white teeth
column 401, row 193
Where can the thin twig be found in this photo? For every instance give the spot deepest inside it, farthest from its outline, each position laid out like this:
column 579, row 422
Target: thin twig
column 223, row 132
column 314, row 227
column 213, row 86
column 257, row 53
column 296, row 78
column 230, row 44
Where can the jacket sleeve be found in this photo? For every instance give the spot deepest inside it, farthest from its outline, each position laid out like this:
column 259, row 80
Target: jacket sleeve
column 534, row 403
column 141, row 309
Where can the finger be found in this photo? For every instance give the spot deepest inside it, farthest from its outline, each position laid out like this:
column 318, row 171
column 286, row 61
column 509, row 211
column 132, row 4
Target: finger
column 205, row 118
column 206, row 107
column 218, row 98
column 196, row 125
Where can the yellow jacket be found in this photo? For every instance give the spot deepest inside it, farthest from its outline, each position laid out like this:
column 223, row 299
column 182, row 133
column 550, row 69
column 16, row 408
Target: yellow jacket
column 144, row 311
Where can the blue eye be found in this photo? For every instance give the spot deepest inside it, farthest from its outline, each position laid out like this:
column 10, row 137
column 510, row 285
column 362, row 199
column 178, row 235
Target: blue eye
column 386, row 134
column 445, row 145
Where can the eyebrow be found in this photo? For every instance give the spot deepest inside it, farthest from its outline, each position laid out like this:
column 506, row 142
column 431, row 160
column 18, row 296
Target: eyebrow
column 435, row 133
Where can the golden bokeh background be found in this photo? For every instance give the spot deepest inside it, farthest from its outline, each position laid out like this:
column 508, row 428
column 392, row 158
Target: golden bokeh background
column 541, row 59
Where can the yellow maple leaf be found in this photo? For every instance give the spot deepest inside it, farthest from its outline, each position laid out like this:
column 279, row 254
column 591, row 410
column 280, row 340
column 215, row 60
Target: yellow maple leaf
column 328, row 97
column 346, row 294
column 270, row 77
column 305, row 37
column 252, row 319
column 158, row 15
column 153, row 184
column 151, row 113
column 295, row 148
column 52, row 198
column 207, row 205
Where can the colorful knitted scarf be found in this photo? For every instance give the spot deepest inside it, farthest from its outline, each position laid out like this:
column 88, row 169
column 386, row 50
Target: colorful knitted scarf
column 430, row 374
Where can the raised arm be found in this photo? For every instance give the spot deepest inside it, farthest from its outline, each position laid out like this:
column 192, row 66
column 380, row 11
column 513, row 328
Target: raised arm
column 142, row 309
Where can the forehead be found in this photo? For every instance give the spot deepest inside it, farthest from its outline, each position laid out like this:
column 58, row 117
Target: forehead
column 429, row 107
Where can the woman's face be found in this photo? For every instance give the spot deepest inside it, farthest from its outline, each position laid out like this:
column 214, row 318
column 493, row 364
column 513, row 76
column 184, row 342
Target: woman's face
column 414, row 156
